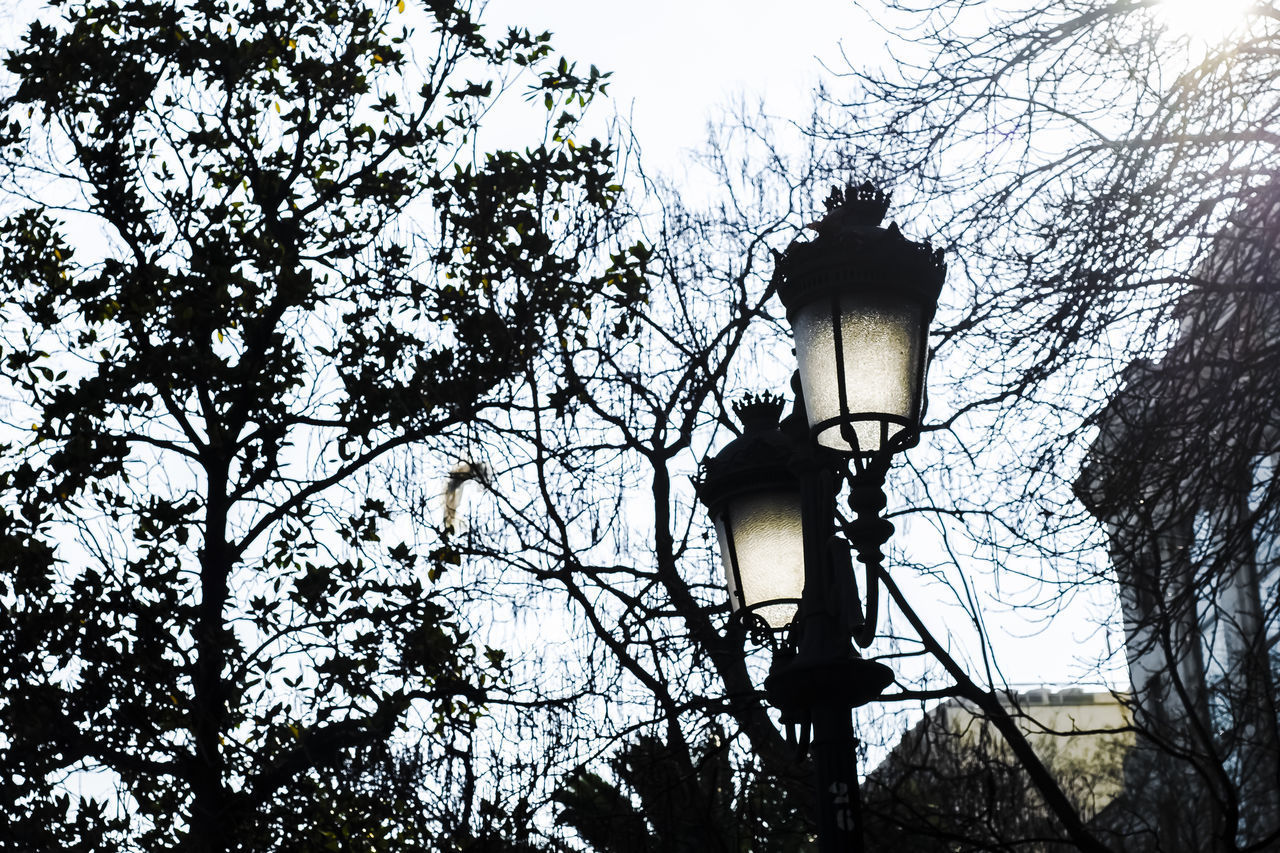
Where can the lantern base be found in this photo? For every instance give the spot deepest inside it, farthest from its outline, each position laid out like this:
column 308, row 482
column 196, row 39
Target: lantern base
column 798, row 685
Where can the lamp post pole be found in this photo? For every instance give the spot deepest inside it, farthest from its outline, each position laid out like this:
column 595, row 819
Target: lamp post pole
column 825, row 641
column 860, row 299
column 819, row 677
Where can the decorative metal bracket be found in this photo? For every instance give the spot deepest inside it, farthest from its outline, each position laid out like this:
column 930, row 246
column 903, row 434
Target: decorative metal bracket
column 868, row 532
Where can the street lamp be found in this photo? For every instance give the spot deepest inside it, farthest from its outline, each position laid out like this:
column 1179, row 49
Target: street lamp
column 860, row 299
column 752, row 492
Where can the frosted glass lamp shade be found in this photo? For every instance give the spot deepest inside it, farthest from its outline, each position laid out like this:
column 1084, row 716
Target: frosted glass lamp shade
column 860, row 299
column 762, row 547
column 862, row 370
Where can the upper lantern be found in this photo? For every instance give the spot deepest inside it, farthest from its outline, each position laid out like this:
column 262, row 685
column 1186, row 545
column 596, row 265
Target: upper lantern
column 860, row 299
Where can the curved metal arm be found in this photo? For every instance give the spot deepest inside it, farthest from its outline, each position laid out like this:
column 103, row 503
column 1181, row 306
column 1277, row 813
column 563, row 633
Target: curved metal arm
column 867, row 633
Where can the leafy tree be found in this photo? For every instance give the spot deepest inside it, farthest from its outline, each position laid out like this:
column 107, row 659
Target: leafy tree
column 658, row 807
column 247, row 261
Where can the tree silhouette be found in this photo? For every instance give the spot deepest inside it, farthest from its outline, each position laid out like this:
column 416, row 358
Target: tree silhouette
column 1108, row 185
column 1104, row 188
column 248, row 260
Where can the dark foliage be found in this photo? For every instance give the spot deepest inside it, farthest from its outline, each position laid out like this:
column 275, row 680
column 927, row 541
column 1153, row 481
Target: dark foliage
column 249, row 261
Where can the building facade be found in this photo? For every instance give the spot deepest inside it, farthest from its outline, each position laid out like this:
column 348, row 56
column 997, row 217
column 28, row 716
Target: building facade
column 952, row 783
column 1182, row 477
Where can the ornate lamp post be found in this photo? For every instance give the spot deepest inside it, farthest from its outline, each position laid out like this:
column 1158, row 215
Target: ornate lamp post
column 859, row 298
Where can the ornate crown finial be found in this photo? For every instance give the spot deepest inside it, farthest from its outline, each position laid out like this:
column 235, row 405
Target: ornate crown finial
column 863, row 204
column 759, row 410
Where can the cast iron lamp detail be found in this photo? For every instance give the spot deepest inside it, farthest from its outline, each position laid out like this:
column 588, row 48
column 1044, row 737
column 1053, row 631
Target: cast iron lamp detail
column 859, row 298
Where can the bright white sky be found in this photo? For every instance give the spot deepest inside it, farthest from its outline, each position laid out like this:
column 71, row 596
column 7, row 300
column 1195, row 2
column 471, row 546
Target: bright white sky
column 675, row 66
column 675, row 62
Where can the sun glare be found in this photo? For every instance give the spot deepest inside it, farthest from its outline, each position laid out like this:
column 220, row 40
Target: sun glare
column 1207, row 21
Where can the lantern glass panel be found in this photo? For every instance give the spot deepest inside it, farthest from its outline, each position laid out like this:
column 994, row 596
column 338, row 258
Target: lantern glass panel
column 768, row 542
column 882, row 343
